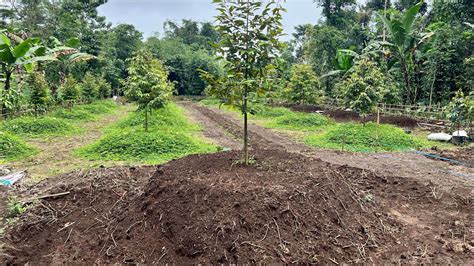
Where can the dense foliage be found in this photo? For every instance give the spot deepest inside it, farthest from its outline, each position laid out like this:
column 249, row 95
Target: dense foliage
column 148, row 83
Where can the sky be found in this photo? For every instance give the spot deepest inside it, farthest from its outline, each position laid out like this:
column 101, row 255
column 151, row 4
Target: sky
column 148, row 16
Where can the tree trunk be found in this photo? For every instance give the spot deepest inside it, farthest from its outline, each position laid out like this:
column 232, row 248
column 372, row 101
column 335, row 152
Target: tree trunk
column 246, row 134
column 8, row 76
column 146, row 119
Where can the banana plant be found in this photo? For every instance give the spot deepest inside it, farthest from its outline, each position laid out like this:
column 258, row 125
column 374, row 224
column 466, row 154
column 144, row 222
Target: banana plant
column 403, row 43
column 344, row 62
column 18, row 54
column 67, row 54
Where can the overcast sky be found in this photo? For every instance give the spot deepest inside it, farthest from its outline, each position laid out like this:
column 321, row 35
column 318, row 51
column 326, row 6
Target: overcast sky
column 148, row 15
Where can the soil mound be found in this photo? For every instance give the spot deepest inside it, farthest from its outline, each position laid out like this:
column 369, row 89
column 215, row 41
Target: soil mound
column 209, row 209
column 463, row 156
column 351, row 116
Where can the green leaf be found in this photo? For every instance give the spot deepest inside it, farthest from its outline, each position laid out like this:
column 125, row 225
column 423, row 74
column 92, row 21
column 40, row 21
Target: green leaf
column 21, row 49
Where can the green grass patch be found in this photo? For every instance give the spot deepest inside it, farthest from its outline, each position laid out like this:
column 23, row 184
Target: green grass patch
column 170, row 136
column 365, row 138
column 99, row 107
column 38, row 126
column 299, row 121
column 149, row 147
column 168, row 117
column 12, row 148
column 74, row 115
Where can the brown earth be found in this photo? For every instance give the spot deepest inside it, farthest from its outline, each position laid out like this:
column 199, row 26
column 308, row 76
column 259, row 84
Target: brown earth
column 351, row 116
column 207, row 209
column 292, row 205
column 463, row 156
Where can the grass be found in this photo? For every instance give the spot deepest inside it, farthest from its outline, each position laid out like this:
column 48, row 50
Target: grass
column 170, row 136
column 12, row 148
column 98, row 107
column 319, row 131
column 38, row 126
column 299, row 121
column 163, row 118
column 74, row 114
column 365, row 138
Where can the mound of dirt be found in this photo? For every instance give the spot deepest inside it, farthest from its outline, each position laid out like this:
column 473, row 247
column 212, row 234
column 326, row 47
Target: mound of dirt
column 209, row 209
column 351, row 116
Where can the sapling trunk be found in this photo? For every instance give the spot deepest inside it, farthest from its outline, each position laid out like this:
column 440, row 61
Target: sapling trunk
column 146, row 119
column 246, row 151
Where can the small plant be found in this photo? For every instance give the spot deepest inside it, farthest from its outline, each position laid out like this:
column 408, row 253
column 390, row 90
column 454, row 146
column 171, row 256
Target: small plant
column 40, row 95
column 148, row 84
column 458, row 110
column 70, row 91
column 15, row 207
column 304, row 87
column 90, row 87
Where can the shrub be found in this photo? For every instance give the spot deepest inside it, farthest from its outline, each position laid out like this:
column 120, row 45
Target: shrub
column 40, row 95
column 70, row 90
column 364, row 88
column 105, row 89
column 13, row 148
column 90, row 87
column 33, row 127
column 304, row 86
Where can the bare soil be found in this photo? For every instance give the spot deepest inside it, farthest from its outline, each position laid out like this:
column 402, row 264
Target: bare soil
column 292, row 205
column 464, row 156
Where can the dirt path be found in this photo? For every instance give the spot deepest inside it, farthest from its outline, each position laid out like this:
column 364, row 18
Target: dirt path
column 55, row 156
column 448, row 177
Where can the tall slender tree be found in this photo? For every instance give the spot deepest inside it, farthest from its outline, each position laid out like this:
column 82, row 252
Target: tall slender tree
column 250, row 32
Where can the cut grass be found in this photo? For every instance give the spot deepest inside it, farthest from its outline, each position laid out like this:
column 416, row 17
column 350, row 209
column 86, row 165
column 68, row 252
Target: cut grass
column 12, row 148
column 38, row 126
column 364, row 138
column 170, row 136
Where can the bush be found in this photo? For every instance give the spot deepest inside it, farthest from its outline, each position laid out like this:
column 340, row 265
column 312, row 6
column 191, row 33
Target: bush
column 70, row 90
column 40, row 95
column 304, row 86
column 302, row 121
column 13, row 148
column 90, row 87
column 34, row 127
column 360, row 137
column 105, row 89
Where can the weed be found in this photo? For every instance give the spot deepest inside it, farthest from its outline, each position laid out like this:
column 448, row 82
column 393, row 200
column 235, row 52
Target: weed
column 13, row 148
column 15, row 207
column 37, row 127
